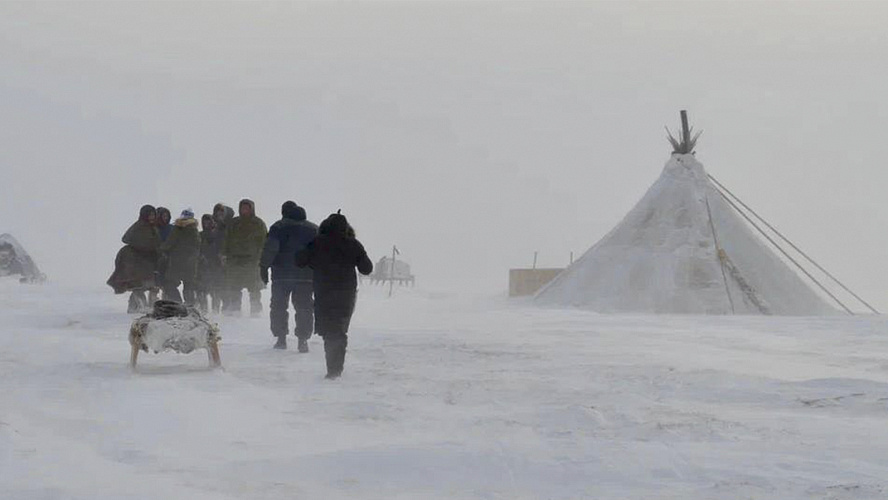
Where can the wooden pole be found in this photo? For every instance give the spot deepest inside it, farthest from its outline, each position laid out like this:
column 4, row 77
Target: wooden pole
column 571, row 258
column 784, row 252
column 685, row 129
column 215, row 359
column 535, row 259
column 134, row 356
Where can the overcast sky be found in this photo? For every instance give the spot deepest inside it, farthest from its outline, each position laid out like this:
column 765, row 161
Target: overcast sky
column 470, row 135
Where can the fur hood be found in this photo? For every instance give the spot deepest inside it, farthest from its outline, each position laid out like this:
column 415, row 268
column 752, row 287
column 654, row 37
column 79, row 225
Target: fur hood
column 191, row 221
column 228, row 211
column 249, row 203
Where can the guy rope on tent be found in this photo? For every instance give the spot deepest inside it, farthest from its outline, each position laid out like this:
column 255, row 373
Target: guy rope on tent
column 685, row 145
column 725, row 192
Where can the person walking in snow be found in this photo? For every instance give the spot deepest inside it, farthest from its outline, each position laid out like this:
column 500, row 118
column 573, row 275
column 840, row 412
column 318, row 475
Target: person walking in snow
column 164, row 228
column 209, row 266
column 333, row 256
column 286, row 238
column 241, row 251
column 180, row 251
column 222, row 216
column 135, row 266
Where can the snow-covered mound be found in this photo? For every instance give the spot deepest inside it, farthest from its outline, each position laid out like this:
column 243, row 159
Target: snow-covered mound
column 15, row 261
column 664, row 258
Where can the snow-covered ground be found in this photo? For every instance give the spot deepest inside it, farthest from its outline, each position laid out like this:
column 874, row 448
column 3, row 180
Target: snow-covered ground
column 444, row 397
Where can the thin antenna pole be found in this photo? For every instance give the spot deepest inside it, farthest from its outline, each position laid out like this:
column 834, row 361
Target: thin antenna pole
column 392, row 273
column 784, row 252
column 797, row 249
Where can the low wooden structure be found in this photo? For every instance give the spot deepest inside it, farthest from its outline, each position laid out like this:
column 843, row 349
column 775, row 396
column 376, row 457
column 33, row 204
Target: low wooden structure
column 524, row 282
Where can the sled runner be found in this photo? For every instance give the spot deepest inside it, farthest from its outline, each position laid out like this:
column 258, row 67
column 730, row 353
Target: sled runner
column 174, row 327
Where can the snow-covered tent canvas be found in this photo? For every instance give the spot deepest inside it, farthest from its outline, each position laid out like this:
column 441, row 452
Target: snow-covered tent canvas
column 683, row 249
column 15, row 261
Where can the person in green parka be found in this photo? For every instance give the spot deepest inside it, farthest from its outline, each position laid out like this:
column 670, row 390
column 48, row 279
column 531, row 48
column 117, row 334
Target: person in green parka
column 241, row 251
column 180, row 252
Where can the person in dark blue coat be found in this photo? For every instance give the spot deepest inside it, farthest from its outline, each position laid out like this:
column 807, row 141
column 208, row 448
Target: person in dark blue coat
column 164, row 227
column 289, row 283
column 333, row 256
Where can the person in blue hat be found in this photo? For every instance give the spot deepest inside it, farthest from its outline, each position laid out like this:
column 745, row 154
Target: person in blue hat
column 180, row 252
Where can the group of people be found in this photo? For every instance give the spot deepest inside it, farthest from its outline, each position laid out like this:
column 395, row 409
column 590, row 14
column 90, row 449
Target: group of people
column 312, row 267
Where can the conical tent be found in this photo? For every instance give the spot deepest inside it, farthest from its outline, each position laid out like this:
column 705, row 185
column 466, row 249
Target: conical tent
column 683, row 249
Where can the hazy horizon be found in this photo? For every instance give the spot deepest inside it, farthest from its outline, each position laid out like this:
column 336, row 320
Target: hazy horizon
column 470, row 135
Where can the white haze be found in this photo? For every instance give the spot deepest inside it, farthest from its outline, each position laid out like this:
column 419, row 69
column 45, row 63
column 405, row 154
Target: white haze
column 470, row 135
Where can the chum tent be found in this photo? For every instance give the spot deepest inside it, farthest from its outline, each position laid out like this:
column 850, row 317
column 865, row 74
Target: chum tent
column 689, row 247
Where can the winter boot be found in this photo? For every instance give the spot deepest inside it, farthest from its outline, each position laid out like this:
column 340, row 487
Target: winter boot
column 340, row 359
column 331, row 351
column 255, row 303
column 335, row 353
column 330, row 358
column 281, row 343
column 303, row 345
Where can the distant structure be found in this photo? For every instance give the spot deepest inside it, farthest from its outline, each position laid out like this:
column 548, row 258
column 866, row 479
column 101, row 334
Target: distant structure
column 688, row 247
column 525, row 282
column 15, row 261
column 390, row 270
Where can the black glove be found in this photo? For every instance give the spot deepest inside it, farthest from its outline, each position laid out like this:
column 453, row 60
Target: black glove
column 263, row 274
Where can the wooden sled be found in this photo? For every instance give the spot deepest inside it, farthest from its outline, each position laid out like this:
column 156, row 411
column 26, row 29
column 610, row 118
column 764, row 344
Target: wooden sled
column 212, row 354
column 209, row 340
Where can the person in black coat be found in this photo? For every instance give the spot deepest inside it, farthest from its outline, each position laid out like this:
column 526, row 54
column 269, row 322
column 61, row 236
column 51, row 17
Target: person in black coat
column 164, row 228
column 209, row 267
column 222, row 216
column 286, row 238
column 135, row 267
column 333, row 256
